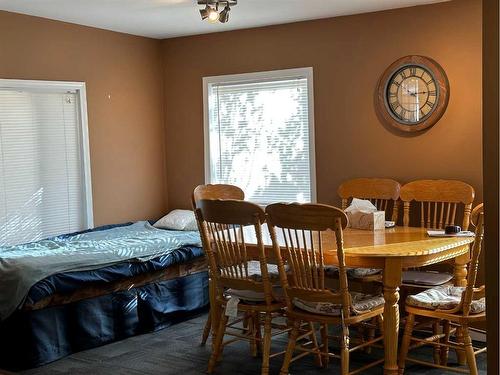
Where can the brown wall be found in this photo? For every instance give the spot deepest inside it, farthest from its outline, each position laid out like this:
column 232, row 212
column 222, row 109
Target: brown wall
column 126, row 130
column 348, row 55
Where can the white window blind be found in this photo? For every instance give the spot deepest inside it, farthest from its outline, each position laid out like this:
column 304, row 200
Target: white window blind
column 42, row 187
column 259, row 135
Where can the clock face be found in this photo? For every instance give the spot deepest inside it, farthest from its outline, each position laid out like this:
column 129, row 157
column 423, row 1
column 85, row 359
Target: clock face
column 412, row 94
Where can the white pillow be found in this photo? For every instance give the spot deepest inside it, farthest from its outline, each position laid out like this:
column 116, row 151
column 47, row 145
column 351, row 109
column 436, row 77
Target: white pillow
column 178, row 220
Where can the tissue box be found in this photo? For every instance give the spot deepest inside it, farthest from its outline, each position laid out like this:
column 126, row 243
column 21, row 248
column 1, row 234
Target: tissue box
column 368, row 220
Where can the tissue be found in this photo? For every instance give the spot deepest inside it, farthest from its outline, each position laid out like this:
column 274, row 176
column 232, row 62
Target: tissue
column 363, row 214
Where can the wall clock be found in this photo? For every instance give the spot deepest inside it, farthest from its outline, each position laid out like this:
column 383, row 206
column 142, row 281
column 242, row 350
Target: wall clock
column 412, row 94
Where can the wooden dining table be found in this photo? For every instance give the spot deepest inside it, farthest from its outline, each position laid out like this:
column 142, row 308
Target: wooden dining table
column 391, row 250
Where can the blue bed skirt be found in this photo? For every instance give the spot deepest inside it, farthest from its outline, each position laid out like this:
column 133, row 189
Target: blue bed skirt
column 33, row 338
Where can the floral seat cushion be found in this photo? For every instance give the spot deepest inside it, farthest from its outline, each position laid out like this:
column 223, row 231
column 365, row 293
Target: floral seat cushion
column 355, row 273
column 358, row 273
column 444, row 298
column 255, row 273
column 426, row 278
column 360, row 303
column 331, row 271
column 253, row 296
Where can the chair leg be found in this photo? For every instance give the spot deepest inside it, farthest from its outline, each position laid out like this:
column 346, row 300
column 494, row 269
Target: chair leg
column 446, row 339
column 461, row 356
column 361, row 331
column 469, row 352
column 257, row 332
column 266, row 350
column 292, row 341
column 324, row 344
column 437, row 348
column 371, row 335
column 344, row 350
column 405, row 345
column 380, row 320
column 249, row 326
column 217, row 342
column 318, row 360
column 214, row 309
column 206, row 329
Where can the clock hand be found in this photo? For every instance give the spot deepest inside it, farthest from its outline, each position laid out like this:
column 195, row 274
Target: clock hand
column 408, row 91
column 417, row 93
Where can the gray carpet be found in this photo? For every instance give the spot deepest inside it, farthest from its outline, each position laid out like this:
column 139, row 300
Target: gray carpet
column 176, row 350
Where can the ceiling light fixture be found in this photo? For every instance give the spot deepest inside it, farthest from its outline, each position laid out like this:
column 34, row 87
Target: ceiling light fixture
column 211, row 11
column 224, row 15
column 204, row 12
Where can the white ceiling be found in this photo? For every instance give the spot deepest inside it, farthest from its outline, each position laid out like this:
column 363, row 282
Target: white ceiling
column 171, row 18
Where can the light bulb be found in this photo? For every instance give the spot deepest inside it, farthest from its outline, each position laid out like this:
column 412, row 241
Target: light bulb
column 213, row 15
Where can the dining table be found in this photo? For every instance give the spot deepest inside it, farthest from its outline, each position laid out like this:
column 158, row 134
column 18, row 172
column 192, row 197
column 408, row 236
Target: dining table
column 392, row 250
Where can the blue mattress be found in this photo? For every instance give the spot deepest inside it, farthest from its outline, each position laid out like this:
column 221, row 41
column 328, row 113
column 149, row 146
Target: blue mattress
column 34, row 338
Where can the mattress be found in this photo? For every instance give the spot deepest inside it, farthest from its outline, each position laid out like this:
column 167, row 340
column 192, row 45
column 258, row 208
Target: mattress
column 68, row 287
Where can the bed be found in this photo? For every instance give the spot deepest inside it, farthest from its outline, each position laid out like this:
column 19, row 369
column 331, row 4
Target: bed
column 122, row 280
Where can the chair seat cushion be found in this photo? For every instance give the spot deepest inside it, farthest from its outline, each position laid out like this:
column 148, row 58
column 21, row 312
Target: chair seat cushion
column 253, row 296
column 358, row 273
column 444, row 298
column 331, row 271
column 426, row 278
column 361, row 303
column 255, row 273
column 355, row 273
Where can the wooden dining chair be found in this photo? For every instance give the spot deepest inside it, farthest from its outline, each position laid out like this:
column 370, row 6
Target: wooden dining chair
column 454, row 308
column 435, row 204
column 222, row 225
column 300, row 233
column 384, row 194
column 217, row 191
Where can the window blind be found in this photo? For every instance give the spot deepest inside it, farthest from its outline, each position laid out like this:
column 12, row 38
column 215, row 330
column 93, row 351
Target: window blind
column 259, row 138
column 41, row 169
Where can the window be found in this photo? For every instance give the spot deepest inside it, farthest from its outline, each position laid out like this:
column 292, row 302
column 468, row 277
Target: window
column 44, row 160
column 259, row 134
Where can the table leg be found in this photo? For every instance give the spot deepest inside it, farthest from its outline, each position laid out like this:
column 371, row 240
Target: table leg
column 461, row 280
column 392, row 282
column 461, row 269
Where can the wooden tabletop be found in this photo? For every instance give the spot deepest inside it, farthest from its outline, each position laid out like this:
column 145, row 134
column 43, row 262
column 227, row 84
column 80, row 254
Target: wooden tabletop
column 412, row 244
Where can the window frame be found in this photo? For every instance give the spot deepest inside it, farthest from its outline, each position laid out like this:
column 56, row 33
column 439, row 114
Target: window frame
column 263, row 76
column 80, row 89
